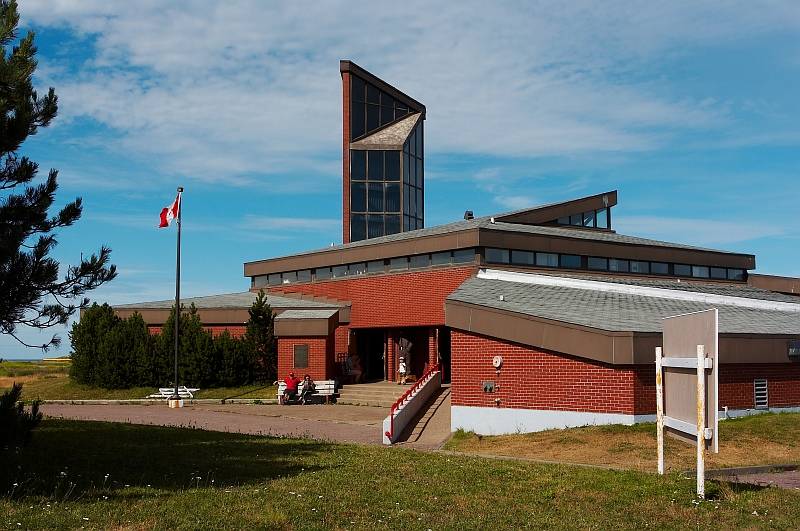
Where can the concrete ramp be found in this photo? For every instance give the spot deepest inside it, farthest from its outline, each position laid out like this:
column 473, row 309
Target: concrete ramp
column 431, row 427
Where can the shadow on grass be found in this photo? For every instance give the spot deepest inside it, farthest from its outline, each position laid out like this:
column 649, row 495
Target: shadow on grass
column 68, row 459
column 251, row 391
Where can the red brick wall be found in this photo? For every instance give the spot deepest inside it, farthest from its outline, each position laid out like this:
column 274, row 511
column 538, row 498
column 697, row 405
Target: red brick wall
column 345, row 157
column 393, row 300
column 535, row 379
column 562, row 382
column 320, row 357
column 235, row 331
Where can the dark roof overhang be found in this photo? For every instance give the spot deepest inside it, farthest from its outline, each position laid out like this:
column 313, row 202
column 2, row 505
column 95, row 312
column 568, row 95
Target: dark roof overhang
column 547, row 213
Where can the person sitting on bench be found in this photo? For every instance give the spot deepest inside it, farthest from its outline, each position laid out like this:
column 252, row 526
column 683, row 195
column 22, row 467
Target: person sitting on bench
column 308, row 389
column 290, row 393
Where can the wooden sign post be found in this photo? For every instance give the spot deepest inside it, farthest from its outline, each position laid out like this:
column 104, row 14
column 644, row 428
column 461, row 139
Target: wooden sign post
column 687, row 381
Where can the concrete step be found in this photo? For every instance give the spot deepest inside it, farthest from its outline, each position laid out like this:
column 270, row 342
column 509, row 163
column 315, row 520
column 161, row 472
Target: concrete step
column 366, row 402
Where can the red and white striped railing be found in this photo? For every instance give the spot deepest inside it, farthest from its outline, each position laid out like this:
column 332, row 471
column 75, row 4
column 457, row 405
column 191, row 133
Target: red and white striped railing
column 408, row 394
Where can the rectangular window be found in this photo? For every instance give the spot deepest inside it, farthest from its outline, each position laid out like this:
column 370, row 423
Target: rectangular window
column 304, row 275
column 259, row 281
column 563, row 221
column 357, row 89
column 374, row 225
column 602, row 218
column 375, row 266
column 356, row 269
column 643, row 268
column 358, row 227
column 588, row 219
column 570, row 261
column 412, row 143
column 392, row 166
column 375, row 197
column 392, row 224
column 290, row 277
column 420, row 260
column 358, row 165
column 735, row 274
column 547, row 259
column 523, row 258
column 339, row 271
column 463, row 256
column 387, row 114
column 659, row 268
column 682, row 270
column 622, row 266
column 760, row 394
column 440, row 258
column 392, row 197
column 719, row 273
column 700, row 271
column 301, row 356
column 497, row 256
column 375, row 165
column 274, row 279
column 598, row 264
column 373, row 94
column 322, row 273
column 373, row 117
column 576, row 219
column 358, row 197
column 406, row 168
column 357, row 120
column 398, row 264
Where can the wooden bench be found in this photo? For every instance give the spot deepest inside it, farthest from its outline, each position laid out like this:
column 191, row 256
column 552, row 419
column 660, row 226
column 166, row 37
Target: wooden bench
column 322, row 388
column 167, row 392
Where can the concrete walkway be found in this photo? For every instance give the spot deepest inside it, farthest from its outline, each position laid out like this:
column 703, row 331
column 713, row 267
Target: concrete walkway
column 339, row 423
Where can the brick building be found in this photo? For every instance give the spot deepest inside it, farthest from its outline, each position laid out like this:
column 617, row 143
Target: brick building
column 573, row 308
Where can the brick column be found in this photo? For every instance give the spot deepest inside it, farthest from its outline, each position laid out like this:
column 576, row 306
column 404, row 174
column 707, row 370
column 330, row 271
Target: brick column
column 391, row 354
column 433, row 348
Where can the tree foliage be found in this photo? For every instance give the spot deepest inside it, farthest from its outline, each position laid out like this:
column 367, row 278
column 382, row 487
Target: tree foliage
column 32, row 292
column 16, row 424
column 260, row 335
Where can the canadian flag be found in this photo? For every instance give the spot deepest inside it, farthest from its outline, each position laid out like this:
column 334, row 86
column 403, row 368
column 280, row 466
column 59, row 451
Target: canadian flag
column 171, row 212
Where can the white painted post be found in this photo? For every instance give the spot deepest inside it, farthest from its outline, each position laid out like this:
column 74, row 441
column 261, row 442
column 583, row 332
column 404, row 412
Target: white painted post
column 701, row 421
column 660, row 410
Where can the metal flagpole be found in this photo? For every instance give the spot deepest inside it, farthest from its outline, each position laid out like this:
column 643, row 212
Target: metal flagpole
column 177, row 396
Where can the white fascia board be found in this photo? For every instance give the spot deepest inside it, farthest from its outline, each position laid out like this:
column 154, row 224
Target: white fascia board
column 643, row 291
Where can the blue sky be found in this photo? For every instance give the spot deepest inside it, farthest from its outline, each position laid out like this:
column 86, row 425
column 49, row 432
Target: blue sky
column 689, row 109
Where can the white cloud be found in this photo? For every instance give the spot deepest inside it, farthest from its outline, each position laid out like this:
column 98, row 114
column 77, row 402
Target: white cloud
column 245, row 92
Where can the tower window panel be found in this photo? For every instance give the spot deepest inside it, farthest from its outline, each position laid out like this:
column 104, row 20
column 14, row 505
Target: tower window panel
column 412, row 142
column 274, row 279
column 563, row 221
column 419, row 172
column 290, row 277
column 375, row 197
column 392, row 222
column 682, row 270
column 659, row 268
column 406, row 170
column 357, row 120
column 419, row 202
column 405, row 147
column 576, row 219
column 406, row 222
column 374, row 225
column 339, row 271
column 357, row 87
column 392, row 197
column 412, row 201
column 700, row 271
column 358, row 227
column 392, row 165
column 375, row 169
column 356, row 269
column 570, row 261
column 412, row 171
column 623, row 266
column 597, row 264
column 642, row 268
column 421, row 222
column 373, row 94
column 588, row 219
column 602, row 218
column 523, row 258
column 407, row 199
column 400, row 109
column 373, row 117
column 358, row 197
column 304, row 275
column 376, row 266
column 386, row 100
column 547, row 259
column 419, row 140
column 497, row 256
column 719, row 273
column 463, row 256
column 358, row 165
column 387, row 115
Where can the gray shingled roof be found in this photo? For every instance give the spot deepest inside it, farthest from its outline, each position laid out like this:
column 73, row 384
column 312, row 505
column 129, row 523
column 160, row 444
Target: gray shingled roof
column 486, row 224
column 230, row 300
column 616, row 312
column 307, row 314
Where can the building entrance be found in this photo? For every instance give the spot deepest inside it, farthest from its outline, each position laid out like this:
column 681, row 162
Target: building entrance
column 370, row 346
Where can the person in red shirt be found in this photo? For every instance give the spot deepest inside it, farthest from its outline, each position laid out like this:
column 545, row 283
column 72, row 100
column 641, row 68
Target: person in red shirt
column 290, row 392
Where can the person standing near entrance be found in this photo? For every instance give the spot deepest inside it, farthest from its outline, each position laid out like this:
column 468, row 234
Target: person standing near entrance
column 402, row 369
column 404, row 350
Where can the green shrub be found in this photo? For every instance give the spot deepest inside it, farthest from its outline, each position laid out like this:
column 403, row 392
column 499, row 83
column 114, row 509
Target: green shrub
column 260, row 336
column 16, row 424
column 86, row 336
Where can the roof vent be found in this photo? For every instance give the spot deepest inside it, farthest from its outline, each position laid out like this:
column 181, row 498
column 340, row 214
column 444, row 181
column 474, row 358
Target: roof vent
column 502, row 297
column 468, row 214
column 491, row 219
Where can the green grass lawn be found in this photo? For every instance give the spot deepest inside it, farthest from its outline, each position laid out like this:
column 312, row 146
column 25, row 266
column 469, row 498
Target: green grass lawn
column 102, row 475
column 50, row 381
